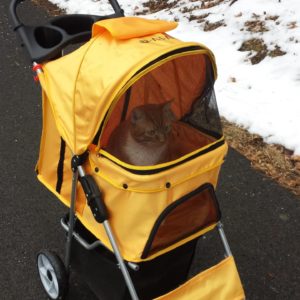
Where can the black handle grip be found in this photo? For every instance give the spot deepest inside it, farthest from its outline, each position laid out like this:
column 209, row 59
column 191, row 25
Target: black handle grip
column 13, row 12
column 94, row 198
column 116, row 7
column 47, row 41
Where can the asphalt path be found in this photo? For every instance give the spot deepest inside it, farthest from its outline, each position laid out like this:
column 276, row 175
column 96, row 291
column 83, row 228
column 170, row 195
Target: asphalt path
column 262, row 219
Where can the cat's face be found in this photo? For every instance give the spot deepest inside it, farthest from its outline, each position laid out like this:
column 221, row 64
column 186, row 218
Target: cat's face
column 152, row 123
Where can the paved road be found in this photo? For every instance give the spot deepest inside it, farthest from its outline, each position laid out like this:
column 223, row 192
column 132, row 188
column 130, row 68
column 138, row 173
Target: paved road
column 262, row 220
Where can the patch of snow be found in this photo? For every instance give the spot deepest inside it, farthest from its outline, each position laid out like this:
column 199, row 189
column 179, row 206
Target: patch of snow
column 263, row 98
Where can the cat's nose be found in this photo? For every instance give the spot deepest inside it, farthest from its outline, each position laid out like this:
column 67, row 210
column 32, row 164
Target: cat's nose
column 161, row 137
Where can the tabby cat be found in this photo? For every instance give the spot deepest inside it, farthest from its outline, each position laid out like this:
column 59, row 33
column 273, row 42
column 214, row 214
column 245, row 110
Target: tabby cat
column 144, row 138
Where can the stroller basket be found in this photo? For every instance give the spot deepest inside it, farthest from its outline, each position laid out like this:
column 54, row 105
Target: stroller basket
column 132, row 140
column 171, row 269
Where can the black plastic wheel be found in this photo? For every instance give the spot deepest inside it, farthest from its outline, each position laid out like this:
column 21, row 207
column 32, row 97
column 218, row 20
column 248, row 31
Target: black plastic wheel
column 53, row 274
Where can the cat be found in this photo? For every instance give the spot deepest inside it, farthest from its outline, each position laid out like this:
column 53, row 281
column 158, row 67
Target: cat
column 144, row 138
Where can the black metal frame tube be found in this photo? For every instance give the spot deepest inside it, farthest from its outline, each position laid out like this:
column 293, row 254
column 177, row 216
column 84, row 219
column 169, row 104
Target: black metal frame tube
column 71, row 221
column 13, row 12
column 116, row 6
column 45, row 41
column 17, row 23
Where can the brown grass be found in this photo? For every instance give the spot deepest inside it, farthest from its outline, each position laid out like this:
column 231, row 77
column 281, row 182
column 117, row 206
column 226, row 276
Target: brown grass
column 258, row 50
column 276, row 52
column 157, row 5
column 212, row 26
column 273, row 160
column 256, row 26
column 200, row 19
column 51, row 8
column 211, row 3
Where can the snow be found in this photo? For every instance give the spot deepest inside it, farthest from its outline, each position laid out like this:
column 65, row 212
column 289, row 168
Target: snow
column 264, row 97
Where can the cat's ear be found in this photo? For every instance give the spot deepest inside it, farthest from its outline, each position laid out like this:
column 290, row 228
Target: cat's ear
column 168, row 111
column 137, row 114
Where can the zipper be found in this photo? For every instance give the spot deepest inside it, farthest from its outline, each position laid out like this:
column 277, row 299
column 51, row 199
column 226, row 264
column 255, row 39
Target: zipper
column 170, row 164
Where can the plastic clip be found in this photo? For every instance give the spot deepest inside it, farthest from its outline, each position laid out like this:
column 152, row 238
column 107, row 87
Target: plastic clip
column 37, row 68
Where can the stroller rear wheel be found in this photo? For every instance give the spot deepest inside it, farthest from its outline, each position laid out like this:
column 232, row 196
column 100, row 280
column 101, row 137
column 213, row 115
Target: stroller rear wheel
column 53, row 274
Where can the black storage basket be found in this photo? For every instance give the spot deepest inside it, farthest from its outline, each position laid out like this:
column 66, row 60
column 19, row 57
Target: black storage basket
column 154, row 278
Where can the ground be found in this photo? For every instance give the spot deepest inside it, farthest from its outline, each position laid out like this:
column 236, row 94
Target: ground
column 273, row 160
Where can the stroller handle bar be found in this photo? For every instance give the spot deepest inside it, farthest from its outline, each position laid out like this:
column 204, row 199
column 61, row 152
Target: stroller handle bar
column 47, row 41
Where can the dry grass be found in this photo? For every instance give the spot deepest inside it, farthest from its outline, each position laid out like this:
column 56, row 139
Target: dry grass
column 200, row 19
column 276, row 52
column 256, row 26
column 273, row 160
column 211, row 3
column 186, row 9
column 153, row 6
column 51, row 8
column 256, row 46
column 156, row 5
column 258, row 50
column 212, row 26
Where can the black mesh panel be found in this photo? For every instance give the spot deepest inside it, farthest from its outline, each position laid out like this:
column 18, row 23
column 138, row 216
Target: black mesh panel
column 204, row 114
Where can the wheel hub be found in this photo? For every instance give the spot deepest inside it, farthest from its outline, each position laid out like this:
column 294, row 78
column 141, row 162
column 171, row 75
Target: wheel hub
column 48, row 276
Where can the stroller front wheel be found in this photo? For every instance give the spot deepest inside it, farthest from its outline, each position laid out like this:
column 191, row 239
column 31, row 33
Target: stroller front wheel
column 53, row 274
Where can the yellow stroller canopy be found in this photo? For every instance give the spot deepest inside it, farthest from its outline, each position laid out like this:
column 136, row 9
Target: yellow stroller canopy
column 82, row 86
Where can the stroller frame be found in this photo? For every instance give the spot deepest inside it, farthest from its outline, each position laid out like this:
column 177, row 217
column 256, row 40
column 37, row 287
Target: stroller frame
column 79, row 172
column 34, row 39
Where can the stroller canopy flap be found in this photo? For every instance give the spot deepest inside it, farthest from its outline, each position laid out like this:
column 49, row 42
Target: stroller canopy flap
column 83, row 85
column 132, row 27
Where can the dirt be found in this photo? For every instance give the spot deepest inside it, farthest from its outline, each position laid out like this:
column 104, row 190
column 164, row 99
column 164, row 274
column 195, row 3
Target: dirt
column 211, row 3
column 256, row 26
column 212, row 26
column 258, row 50
column 272, row 18
column 51, row 8
column 292, row 25
column 186, row 9
column 200, row 19
column 274, row 160
column 276, row 52
column 153, row 6
column 254, row 44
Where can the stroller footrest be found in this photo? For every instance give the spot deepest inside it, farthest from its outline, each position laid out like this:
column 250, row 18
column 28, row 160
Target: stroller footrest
column 220, row 282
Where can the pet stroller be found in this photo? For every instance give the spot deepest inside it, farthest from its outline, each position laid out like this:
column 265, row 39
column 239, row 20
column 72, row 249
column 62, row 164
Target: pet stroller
column 131, row 230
